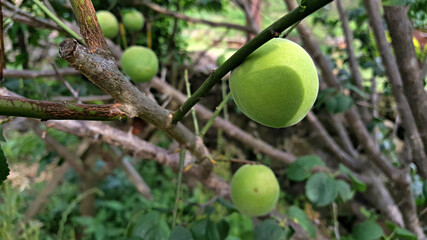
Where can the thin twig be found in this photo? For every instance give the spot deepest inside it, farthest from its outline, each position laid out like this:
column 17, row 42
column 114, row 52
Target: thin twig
column 178, row 187
column 336, row 223
column 58, row 21
column 215, row 114
column 193, row 112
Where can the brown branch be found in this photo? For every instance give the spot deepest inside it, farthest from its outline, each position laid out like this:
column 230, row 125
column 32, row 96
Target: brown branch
column 229, row 128
column 352, row 116
column 101, row 69
column 22, row 107
column 11, row 73
column 354, row 65
column 331, row 144
column 139, row 148
column 136, row 179
column 161, row 10
column 417, row 141
column 89, row 26
column 400, row 28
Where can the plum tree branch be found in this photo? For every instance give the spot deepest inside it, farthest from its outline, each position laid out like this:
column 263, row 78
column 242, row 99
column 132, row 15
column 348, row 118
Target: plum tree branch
column 45, row 110
column 89, row 26
column 164, row 11
column 237, row 58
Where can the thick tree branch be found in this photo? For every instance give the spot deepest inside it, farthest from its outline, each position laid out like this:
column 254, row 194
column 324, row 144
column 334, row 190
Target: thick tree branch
column 416, row 141
column 89, row 26
column 138, row 148
column 100, row 68
column 400, row 28
column 45, row 110
column 270, row 32
column 186, row 18
column 352, row 116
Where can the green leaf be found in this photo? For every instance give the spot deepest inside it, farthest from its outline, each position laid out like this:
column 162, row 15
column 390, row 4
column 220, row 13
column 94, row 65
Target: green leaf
column 180, row 233
column 4, row 167
column 199, row 229
column 344, row 190
column 223, row 228
column 404, row 234
column 269, row 229
column 343, row 103
column 321, row 189
column 368, row 230
column 301, row 168
column 357, row 184
column 331, row 105
column 298, row 216
column 400, row 232
column 151, row 226
column 425, row 188
column 2, row 139
column 211, row 231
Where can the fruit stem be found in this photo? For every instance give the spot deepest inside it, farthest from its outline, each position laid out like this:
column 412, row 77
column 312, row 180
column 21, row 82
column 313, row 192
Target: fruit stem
column 193, row 113
column 286, row 34
column 178, row 187
column 215, row 114
column 237, row 58
column 59, row 22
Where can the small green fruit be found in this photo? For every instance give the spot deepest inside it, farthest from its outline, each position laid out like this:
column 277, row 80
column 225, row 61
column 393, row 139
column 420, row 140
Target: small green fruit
column 140, row 63
column 133, row 20
column 254, row 190
column 276, row 85
column 108, row 23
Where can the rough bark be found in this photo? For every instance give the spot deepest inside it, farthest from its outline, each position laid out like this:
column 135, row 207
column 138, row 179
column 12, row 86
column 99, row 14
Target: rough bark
column 400, row 29
column 88, row 23
column 44, row 110
column 100, row 68
column 416, row 141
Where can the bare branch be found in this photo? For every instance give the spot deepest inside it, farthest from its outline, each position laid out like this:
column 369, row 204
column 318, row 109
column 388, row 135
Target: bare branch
column 16, row 106
column 89, row 26
column 161, row 10
column 417, row 141
column 11, row 73
column 139, row 148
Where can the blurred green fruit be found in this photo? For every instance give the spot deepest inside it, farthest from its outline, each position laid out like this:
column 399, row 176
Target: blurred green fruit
column 108, row 23
column 254, row 190
column 140, row 63
column 132, row 19
column 276, row 85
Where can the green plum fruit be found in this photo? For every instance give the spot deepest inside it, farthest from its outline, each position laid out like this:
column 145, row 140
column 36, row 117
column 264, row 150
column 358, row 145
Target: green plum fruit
column 133, row 20
column 276, row 85
column 108, row 23
column 140, row 63
column 254, row 190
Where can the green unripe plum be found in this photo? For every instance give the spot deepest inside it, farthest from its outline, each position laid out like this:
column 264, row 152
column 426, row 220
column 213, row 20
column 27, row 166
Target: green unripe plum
column 276, row 85
column 108, row 23
column 254, row 190
column 140, row 63
column 132, row 19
